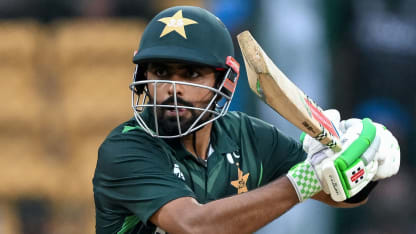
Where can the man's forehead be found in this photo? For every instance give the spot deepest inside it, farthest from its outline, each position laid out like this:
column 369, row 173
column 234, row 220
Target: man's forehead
column 178, row 65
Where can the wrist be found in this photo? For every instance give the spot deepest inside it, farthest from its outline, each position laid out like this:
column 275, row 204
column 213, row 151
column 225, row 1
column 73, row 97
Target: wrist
column 304, row 180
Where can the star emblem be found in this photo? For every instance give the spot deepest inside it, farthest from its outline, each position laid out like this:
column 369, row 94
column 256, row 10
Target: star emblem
column 241, row 182
column 176, row 23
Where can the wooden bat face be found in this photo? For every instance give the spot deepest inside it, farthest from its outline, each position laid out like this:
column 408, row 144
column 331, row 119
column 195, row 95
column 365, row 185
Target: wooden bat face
column 275, row 89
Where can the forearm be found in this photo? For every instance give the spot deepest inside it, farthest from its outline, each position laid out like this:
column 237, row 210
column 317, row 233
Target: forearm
column 248, row 212
column 244, row 213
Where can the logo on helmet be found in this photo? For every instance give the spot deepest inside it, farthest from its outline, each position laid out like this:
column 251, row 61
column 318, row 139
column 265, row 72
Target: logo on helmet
column 176, row 23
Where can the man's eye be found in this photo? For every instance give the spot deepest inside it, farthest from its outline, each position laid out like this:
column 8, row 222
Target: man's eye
column 193, row 74
column 161, row 72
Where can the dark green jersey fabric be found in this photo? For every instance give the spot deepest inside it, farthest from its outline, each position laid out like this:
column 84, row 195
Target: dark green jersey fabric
column 137, row 174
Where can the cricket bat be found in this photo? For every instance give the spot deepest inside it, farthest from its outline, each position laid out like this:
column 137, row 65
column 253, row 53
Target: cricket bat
column 275, row 89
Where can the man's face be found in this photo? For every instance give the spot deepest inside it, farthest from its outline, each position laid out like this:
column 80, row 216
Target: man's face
column 186, row 95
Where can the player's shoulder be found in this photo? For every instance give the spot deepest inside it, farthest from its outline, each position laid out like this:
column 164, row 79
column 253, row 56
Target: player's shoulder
column 127, row 152
column 128, row 131
column 241, row 119
column 237, row 123
column 129, row 138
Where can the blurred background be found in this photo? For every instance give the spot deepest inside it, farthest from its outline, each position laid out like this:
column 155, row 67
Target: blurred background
column 65, row 67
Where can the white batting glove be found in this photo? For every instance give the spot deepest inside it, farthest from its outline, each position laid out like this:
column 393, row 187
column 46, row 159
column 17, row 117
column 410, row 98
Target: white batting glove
column 387, row 155
column 316, row 152
column 344, row 174
column 355, row 164
column 388, row 152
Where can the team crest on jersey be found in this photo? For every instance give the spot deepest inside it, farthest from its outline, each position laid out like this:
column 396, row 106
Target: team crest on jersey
column 241, row 183
column 177, row 171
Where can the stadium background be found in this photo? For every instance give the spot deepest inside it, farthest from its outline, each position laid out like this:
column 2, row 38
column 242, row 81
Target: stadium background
column 65, row 67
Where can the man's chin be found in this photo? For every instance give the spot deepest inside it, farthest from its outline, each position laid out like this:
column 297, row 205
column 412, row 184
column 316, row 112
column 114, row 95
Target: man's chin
column 169, row 126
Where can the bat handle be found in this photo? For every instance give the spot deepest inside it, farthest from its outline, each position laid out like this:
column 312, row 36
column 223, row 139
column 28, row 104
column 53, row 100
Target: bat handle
column 329, row 140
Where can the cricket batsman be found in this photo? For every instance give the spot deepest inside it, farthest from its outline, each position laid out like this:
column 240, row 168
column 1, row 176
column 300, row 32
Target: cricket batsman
column 185, row 164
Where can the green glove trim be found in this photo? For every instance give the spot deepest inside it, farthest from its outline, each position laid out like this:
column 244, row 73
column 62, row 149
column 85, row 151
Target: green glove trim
column 352, row 154
column 342, row 179
column 358, row 147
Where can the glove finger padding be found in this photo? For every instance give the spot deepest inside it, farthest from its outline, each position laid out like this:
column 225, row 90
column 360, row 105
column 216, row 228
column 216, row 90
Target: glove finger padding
column 346, row 124
column 387, row 155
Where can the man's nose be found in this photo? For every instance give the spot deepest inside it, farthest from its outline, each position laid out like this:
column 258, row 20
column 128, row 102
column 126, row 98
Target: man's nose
column 174, row 87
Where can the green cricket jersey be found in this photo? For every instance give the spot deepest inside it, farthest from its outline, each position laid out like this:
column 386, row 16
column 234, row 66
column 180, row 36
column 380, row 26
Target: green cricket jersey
column 137, row 174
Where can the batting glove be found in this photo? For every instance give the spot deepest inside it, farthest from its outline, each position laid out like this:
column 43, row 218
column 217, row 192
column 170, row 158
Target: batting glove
column 388, row 152
column 387, row 155
column 344, row 174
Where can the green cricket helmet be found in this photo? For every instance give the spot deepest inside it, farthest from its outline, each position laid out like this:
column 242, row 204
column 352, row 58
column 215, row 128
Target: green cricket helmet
column 185, row 34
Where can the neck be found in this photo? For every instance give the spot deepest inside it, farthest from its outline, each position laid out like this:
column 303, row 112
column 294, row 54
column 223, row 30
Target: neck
column 202, row 139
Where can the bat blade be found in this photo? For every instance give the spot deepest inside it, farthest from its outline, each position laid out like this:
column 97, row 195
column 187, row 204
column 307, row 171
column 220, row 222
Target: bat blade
column 275, row 89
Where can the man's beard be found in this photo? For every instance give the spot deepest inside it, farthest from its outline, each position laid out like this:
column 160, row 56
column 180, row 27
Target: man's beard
column 168, row 125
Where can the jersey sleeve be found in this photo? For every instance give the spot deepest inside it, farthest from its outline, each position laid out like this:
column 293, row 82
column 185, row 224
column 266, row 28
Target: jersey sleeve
column 276, row 151
column 134, row 173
